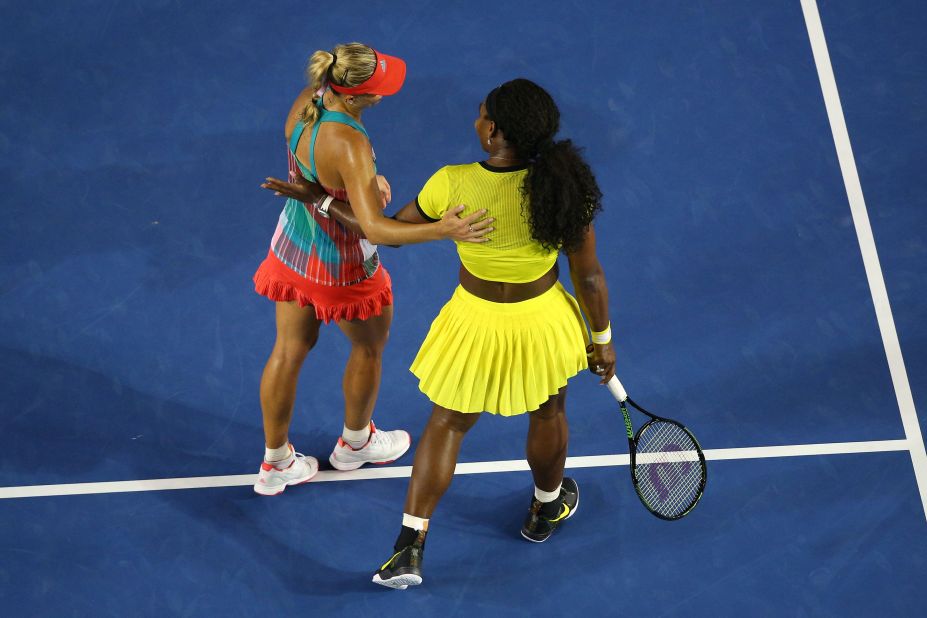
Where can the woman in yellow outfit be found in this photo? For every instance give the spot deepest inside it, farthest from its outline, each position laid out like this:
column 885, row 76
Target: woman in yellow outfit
column 510, row 337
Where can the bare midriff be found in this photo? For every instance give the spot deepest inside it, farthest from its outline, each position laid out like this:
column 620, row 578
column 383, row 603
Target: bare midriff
column 502, row 292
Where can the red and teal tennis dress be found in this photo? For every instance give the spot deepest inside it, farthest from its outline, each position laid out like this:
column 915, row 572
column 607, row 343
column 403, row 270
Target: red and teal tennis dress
column 314, row 260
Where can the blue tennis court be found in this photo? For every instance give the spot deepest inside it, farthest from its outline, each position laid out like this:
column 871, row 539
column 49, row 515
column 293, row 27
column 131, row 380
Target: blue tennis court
column 763, row 238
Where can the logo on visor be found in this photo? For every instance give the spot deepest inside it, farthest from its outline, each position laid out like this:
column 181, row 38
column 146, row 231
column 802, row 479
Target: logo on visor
column 383, row 65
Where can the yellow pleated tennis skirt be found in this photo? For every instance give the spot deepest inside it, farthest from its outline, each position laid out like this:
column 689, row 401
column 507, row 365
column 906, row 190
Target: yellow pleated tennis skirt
column 503, row 358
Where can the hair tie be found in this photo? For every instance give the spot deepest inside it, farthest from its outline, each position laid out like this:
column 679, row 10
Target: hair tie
column 331, row 68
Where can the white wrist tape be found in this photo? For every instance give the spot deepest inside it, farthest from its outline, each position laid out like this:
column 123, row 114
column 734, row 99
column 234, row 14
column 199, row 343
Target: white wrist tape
column 603, row 337
column 325, row 205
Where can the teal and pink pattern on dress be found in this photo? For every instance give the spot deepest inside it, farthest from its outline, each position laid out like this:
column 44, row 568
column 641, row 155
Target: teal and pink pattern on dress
column 319, row 248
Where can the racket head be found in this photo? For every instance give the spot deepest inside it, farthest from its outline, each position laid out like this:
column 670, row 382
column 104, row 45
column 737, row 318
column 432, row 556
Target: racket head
column 668, row 468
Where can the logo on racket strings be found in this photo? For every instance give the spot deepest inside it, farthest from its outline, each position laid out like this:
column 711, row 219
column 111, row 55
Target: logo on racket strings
column 663, row 473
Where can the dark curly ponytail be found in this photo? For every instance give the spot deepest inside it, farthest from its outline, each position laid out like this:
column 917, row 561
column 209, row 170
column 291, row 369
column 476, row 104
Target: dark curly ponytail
column 561, row 193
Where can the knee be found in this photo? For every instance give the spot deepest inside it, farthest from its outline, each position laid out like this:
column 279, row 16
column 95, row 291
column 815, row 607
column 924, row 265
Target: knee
column 292, row 353
column 458, row 422
column 371, row 350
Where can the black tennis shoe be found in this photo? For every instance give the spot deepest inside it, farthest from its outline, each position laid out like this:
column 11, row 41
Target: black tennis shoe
column 404, row 568
column 543, row 518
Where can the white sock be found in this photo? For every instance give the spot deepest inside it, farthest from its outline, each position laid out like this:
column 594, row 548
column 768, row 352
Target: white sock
column 356, row 438
column 416, row 523
column 280, row 453
column 546, row 496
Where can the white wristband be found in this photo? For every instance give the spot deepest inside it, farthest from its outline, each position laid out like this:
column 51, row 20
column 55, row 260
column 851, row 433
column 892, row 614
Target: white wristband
column 324, row 206
column 602, row 337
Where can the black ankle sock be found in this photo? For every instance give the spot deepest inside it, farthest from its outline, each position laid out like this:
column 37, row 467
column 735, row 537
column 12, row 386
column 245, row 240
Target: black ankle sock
column 550, row 510
column 408, row 536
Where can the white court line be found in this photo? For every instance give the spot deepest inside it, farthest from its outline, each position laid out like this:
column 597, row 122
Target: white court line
column 479, row 467
column 912, row 429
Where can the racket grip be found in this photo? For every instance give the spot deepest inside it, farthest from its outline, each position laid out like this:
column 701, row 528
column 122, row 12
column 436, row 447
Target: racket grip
column 617, row 389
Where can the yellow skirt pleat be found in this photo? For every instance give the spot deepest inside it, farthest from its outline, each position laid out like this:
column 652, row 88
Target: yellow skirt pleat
column 503, row 358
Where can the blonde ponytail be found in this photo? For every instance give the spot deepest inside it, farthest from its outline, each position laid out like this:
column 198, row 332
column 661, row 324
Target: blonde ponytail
column 316, row 72
column 353, row 66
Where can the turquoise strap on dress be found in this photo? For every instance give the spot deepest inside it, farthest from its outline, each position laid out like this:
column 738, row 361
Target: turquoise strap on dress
column 328, row 116
column 294, row 141
column 297, row 133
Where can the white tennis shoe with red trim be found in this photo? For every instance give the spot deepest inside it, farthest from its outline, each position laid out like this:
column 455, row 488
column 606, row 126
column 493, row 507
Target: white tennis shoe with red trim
column 274, row 477
column 382, row 447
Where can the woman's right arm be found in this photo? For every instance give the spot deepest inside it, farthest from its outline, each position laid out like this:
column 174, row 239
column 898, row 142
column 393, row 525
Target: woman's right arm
column 355, row 165
column 592, row 293
column 308, row 192
column 469, row 229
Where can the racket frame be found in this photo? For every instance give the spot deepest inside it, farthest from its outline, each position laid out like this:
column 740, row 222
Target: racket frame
column 633, row 439
column 618, row 391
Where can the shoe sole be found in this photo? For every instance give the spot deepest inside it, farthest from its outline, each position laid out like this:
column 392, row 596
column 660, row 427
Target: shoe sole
column 400, row 582
column 572, row 512
column 354, row 465
column 274, row 491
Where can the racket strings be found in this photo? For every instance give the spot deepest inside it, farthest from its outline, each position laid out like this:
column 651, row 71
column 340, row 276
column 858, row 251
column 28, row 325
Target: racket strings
column 668, row 469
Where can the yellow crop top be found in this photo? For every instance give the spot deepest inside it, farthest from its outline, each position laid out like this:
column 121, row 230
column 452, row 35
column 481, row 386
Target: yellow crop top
column 512, row 255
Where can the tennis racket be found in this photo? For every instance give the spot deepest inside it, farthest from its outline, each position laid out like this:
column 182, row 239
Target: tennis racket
column 667, row 464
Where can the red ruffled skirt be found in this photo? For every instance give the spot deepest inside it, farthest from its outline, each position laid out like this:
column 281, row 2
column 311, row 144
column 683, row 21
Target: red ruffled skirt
column 360, row 301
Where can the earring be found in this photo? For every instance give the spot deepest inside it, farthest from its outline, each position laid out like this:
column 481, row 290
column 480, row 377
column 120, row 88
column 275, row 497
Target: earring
column 489, row 141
